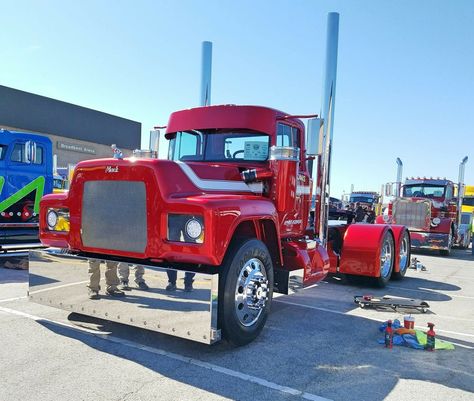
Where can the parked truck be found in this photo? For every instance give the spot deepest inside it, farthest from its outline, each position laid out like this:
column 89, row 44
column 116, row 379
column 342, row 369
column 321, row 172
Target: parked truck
column 26, row 174
column 230, row 205
column 430, row 208
column 367, row 199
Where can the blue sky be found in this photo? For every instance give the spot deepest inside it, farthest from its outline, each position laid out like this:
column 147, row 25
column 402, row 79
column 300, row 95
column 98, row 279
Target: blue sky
column 405, row 80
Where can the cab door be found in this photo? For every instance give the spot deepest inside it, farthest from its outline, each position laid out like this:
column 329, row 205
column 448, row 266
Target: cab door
column 25, row 180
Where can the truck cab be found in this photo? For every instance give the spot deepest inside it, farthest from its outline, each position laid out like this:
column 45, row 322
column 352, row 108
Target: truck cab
column 367, row 198
column 25, row 176
column 427, row 206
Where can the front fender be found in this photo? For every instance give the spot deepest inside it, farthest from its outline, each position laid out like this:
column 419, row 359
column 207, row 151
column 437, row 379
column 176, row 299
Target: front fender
column 227, row 217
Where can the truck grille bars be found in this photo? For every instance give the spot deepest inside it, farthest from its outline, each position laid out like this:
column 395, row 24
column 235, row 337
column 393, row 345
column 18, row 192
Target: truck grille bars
column 114, row 215
column 414, row 215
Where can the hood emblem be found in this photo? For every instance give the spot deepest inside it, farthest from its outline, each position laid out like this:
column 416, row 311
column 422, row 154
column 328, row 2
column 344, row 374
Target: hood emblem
column 112, row 169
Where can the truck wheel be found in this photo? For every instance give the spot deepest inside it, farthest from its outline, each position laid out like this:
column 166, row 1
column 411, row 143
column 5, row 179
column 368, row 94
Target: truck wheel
column 447, row 252
column 403, row 256
column 386, row 260
column 245, row 291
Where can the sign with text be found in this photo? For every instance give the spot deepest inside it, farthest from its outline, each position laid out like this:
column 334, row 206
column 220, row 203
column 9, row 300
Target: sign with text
column 72, row 147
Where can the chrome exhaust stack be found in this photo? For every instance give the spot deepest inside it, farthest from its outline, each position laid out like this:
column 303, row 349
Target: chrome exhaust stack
column 398, row 190
column 55, row 165
column 206, row 73
column 153, row 147
column 462, row 167
column 327, row 115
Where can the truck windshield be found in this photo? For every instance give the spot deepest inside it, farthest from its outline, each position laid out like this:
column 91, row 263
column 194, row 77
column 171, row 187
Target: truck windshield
column 3, row 150
column 219, row 145
column 364, row 199
column 424, row 191
column 468, row 201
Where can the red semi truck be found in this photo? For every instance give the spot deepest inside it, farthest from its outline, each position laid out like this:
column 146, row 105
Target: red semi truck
column 230, row 204
column 430, row 208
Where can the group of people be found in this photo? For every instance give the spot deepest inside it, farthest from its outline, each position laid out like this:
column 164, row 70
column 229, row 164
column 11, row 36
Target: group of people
column 117, row 279
column 356, row 213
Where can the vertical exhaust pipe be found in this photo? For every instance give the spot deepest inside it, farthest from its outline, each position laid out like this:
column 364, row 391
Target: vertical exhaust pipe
column 154, row 144
column 55, row 164
column 206, row 73
column 462, row 167
column 327, row 114
column 398, row 190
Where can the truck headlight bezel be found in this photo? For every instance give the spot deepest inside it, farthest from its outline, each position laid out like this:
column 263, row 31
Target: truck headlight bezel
column 51, row 219
column 435, row 222
column 187, row 228
column 57, row 219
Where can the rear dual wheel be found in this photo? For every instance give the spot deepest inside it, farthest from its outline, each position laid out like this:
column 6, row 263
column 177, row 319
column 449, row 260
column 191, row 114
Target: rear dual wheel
column 245, row 291
column 386, row 259
column 403, row 256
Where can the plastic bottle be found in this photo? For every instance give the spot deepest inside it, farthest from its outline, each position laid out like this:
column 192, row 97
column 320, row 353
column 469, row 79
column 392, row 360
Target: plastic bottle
column 388, row 335
column 430, row 338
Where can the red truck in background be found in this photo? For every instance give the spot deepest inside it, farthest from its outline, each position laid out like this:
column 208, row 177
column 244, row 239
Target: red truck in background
column 231, row 204
column 430, row 208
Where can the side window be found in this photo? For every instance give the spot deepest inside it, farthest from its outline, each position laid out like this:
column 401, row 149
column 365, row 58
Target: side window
column 186, row 146
column 39, row 155
column 18, row 154
column 449, row 192
column 287, row 136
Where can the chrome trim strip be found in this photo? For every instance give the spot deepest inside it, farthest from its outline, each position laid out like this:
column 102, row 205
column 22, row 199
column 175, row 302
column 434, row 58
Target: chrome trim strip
column 219, row 185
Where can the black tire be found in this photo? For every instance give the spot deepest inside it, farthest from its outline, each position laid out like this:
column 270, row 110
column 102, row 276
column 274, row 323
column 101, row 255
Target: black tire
column 447, row 252
column 387, row 246
column 244, row 256
column 403, row 249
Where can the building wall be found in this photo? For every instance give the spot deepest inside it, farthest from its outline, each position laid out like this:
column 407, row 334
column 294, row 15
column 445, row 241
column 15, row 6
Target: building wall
column 77, row 133
column 72, row 151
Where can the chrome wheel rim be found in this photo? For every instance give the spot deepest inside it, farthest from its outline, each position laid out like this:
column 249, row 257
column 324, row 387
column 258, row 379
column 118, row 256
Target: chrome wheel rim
column 404, row 253
column 251, row 292
column 386, row 258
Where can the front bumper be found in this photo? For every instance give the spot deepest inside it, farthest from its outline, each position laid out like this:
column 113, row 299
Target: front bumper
column 60, row 280
column 423, row 240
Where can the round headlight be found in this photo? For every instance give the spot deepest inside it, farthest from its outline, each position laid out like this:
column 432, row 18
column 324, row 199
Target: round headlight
column 386, row 218
column 436, row 220
column 52, row 219
column 193, row 228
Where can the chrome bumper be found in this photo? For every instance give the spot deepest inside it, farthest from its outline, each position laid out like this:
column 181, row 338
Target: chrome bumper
column 60, row 280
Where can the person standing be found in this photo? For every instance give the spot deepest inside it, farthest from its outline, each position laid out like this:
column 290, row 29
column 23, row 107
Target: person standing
column 370, row 215
column 359, row 213
column 111, row 279
column 173, row 275
column 124, row 273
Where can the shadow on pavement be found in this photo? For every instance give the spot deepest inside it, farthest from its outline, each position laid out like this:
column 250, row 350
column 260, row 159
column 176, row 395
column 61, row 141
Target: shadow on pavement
column 13, row 276
column 410, row 287
column 456, row 254
column 333, row 356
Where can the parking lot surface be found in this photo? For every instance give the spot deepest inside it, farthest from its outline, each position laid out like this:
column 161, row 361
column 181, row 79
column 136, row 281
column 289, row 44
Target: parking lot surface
column 317, row 345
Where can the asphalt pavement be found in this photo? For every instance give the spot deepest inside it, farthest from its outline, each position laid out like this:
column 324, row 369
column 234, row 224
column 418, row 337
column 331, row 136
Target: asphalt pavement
column 317, row 345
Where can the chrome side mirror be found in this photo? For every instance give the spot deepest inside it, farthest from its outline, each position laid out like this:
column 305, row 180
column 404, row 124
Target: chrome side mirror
column 313, row 136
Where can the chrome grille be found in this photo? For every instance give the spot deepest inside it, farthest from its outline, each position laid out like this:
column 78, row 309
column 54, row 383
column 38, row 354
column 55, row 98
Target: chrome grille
column 114, row 215
column 414, row 215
